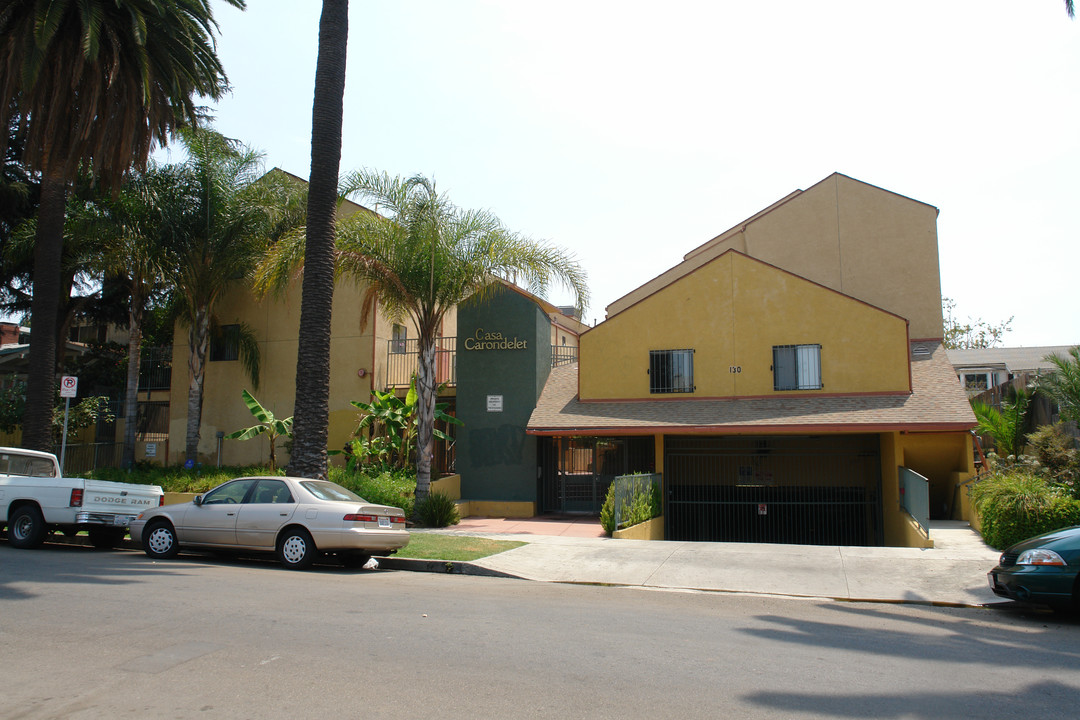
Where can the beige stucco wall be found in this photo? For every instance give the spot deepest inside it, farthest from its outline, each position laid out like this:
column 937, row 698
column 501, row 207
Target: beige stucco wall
column 861, row 240
column 732, row 312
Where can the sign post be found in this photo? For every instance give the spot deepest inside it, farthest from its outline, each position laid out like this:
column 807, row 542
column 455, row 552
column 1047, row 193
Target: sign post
column 69, row 387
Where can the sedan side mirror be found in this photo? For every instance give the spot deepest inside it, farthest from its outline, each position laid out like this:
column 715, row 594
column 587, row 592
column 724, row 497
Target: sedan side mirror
column 197, row 500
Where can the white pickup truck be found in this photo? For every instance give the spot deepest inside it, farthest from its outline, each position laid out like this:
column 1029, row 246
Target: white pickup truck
column 35, row 500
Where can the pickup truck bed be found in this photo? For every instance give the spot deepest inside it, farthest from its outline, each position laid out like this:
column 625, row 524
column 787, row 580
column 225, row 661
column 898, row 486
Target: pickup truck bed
column 35, row 500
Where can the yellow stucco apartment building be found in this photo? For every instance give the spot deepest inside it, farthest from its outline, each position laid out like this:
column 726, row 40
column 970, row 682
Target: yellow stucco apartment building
column 787, row 379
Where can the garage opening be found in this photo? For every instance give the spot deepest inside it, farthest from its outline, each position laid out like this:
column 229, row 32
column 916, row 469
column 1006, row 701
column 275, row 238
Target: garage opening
column 774, row 489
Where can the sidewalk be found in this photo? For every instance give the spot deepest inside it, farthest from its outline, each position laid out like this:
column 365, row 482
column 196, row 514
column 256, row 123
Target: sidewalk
column 574, row 550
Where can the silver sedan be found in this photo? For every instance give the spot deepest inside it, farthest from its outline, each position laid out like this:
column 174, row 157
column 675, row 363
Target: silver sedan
column 298, row 518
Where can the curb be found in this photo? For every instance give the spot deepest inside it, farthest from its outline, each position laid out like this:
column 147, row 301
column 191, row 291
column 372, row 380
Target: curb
column 452, row 567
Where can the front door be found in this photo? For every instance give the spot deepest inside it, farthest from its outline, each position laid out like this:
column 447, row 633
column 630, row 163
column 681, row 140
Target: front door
column 214, row 521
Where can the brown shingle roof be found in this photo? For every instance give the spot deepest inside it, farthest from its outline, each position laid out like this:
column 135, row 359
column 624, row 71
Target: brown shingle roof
column 937, row 402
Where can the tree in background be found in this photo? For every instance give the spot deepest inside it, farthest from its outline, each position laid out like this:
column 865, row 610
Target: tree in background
column 129, row 230
column 974, row 333
column 222, row 214
column 94, row 83
column 421, row 261
column 312, row 405
column 1063, row 385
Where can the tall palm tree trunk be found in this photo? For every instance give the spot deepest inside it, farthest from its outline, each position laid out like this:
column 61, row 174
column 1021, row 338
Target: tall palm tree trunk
column 48, row 251
column 311, row 413
column 131, row 388
column 426, row 387
column 199, row 341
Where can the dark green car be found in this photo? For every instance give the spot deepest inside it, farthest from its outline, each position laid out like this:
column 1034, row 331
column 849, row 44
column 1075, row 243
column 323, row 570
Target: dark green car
column 1043, row 569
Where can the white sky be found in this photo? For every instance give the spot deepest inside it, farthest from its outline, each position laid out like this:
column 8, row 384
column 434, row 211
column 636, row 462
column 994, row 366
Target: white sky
column 631, row 132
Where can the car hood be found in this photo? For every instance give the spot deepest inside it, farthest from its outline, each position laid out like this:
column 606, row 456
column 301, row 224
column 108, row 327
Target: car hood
column 1060, row 541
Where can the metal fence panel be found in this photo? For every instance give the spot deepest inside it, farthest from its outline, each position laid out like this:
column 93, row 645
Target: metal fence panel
column 781, row 490
column 626, row 487
column 915, row 497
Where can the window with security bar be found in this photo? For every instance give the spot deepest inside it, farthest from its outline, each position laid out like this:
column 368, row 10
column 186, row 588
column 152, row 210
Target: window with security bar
column 797, row 367
column 671, row 371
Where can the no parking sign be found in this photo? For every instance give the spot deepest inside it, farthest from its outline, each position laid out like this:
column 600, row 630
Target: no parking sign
column 69, row 386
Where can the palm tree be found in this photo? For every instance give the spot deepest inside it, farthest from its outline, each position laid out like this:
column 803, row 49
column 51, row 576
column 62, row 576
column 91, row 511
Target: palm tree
column 129, row 229
column 312, row 406
column 94, row 83
column 222, row 215
column 424, row 259
column 1063, row 384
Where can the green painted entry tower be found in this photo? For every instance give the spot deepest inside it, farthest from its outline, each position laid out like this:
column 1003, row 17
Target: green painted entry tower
column 503, row 362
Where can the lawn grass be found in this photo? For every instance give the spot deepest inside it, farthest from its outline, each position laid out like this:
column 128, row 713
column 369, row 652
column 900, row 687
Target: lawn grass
column 432, row 546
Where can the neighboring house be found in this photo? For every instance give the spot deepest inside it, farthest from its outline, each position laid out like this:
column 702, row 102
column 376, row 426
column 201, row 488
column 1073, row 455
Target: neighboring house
column 989, row 374
column 100, row 446
column 982, row 369
column 787, row 379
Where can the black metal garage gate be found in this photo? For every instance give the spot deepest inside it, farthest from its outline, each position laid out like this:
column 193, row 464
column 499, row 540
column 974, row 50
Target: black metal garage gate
column 778, row 489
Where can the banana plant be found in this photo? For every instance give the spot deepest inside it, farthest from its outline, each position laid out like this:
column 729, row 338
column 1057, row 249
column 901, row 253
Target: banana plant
column 268, row 425
column 395, row 420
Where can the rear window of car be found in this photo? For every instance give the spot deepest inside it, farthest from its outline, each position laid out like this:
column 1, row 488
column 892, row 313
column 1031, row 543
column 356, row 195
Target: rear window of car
column 326, row 490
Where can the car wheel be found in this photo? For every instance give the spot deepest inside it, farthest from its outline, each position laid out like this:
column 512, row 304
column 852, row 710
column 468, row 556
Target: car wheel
column 106, row 538
column 295, row 549
column 26, row 528
column 159, row 541
column 353, row 561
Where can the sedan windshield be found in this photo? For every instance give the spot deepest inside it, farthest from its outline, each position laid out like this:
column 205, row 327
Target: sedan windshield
column 325, row 490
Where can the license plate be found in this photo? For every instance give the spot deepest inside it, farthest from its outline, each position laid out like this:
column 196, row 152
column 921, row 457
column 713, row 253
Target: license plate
column 384, row 521
column 992, row 579
column 122, row 520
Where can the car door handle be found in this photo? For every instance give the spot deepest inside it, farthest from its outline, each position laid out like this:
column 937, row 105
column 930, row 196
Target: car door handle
column 232, row 513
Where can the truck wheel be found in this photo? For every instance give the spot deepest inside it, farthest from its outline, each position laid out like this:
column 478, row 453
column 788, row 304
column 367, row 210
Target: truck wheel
column 295, row 549
column 26, row 528
column 106, row 538
column 159, row 540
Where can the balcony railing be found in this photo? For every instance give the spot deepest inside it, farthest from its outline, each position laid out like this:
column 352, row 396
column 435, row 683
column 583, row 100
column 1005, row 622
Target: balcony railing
column 402, row 358
column 155, row 368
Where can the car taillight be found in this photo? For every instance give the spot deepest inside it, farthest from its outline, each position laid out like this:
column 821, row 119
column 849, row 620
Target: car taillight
column 397, row 520
column 161, row 501
column 361, row 518
column 76, row 498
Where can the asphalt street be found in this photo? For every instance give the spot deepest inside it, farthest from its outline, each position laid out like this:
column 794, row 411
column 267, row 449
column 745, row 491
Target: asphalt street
column 90, row 634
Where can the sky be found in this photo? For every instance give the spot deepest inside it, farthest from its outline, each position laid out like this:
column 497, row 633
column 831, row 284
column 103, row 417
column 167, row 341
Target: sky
column 629, row 133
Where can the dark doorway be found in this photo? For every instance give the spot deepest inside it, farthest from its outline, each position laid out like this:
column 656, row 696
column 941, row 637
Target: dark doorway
column 575, row 472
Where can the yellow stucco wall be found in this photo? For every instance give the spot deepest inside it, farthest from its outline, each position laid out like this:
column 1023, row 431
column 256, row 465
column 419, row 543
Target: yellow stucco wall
column 853, row 237
column 275, row 322
column 732, row 311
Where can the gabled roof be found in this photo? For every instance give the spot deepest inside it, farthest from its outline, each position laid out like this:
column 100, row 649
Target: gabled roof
column 936, row 403
column 692, row 258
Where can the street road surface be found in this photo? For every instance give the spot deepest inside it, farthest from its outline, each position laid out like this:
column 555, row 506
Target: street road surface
column 91, row 634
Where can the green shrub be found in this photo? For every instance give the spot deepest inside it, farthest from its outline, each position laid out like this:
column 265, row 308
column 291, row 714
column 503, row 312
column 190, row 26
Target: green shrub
column 177, row 478
column 644, row 504
column 438, row 511
column 396, row 488
column 1016, row 504
column 1057, row 456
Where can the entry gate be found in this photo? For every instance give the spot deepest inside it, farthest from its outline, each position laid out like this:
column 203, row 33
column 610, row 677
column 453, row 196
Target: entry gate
column 575, row 472
column 778, row 489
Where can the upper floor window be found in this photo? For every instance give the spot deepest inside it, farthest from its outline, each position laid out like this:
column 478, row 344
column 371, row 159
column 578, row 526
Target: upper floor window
column 400, row 335
column 671, row 371
column 225, row 343
column 796, row 367
column 977, row 381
